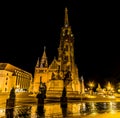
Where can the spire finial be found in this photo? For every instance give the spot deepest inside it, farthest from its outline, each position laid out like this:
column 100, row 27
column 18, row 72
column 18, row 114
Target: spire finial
column 66, row 22
column 44, row 48
column 38, row 63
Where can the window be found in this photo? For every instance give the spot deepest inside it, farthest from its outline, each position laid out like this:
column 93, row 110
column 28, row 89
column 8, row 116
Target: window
column 40, row 78
column 66, row 48
column 66, row 58
column 41, row 71
column 5, row 89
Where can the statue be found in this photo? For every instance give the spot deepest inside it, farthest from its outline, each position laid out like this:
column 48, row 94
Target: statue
column 67, row 79
column 11, row 99
column 12, row 93
column 42, row 93
column 53, row 76
column 10, row 102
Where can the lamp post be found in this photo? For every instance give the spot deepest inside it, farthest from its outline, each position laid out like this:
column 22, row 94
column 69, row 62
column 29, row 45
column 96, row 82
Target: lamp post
column 91, row 85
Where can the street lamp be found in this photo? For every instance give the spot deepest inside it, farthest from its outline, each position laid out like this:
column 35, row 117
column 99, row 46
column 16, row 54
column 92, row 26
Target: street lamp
column 91, row 84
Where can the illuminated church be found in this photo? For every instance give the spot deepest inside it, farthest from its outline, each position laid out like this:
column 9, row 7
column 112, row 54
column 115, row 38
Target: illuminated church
column 52, row 75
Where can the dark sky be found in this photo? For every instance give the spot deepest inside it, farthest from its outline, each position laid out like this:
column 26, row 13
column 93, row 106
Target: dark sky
column 26, row 27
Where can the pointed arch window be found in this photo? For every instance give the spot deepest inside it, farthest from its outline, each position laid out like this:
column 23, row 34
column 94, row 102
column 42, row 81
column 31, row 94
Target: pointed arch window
column 66, row 48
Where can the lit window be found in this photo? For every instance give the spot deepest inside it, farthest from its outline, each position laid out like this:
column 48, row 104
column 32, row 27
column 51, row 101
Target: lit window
column 66, row 25
column 5, row 89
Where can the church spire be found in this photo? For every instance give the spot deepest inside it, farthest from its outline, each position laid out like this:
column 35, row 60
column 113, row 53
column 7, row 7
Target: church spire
column 66, row 22
column 44, row 62
column 38, row 63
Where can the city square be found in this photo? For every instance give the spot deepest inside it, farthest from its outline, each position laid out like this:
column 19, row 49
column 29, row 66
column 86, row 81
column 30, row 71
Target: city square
column 59, row 87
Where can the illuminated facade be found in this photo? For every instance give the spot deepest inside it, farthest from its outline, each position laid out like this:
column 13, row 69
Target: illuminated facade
column 54, row 73
column 11, row 76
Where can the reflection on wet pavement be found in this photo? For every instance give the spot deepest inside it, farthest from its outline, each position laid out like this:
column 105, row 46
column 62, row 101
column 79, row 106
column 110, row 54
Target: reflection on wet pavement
column 53, row 110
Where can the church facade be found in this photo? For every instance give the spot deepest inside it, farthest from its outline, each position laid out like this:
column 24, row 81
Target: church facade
column 54, row 74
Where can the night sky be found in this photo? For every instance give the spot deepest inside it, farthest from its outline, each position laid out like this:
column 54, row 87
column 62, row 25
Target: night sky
column 26, row 27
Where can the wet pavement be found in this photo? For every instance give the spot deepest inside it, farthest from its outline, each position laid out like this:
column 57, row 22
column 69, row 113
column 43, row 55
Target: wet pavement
column 57, row 110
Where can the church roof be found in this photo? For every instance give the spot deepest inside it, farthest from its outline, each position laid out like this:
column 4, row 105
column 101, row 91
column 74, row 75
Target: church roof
column 8, row 67
column 11, row 68
column 54, row 64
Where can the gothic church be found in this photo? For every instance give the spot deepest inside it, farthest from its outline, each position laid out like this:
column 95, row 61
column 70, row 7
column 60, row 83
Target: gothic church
column 52, row 75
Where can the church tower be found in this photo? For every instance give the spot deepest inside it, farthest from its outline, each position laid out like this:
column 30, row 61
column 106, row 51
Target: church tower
column 66, row 47
column 66, row 54
column 40, row 71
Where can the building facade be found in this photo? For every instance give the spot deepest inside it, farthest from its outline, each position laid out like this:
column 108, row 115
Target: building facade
column 11, row 76
column 54, row 73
